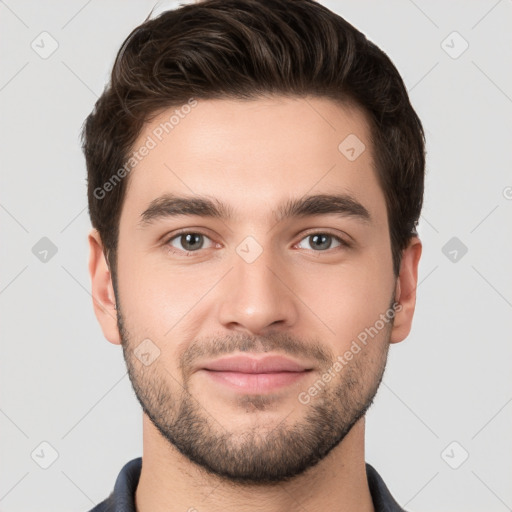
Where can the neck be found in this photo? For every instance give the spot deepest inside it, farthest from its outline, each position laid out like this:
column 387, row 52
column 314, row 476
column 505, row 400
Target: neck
column 170, row 482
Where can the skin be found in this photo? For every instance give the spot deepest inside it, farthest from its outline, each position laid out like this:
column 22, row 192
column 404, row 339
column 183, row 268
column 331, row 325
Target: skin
column 253, row 156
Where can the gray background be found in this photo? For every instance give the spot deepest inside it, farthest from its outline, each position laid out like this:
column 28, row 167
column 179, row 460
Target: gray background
column 62, row 383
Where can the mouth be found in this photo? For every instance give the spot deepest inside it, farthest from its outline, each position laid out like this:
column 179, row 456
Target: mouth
column 255, row 375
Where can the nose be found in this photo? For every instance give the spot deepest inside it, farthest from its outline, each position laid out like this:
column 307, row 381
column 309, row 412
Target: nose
column 257, row 296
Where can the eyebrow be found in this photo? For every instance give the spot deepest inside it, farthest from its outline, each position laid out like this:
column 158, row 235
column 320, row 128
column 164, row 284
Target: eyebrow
column 171, row 205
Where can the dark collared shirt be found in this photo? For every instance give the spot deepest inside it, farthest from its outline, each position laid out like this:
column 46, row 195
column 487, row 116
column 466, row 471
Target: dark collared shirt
column 122, row 498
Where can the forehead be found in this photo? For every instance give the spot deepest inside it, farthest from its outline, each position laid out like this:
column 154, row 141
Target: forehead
column 253, row 153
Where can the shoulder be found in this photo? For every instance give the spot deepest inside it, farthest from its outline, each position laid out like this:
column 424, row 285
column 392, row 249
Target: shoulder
column 383, row 500
column 122, row 498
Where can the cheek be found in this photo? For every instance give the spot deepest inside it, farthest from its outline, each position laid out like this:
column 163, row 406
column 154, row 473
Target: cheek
column 159, row 299
column 349, row 299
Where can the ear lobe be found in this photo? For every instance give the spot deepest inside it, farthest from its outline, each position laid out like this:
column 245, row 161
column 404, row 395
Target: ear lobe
column 102, row 289
column 405, row 291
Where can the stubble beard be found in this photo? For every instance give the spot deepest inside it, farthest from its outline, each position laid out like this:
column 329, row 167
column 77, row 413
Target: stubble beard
column 264, row 454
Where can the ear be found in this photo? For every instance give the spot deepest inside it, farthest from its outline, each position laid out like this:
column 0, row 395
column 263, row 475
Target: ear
column 103, row 297
column 405, row 292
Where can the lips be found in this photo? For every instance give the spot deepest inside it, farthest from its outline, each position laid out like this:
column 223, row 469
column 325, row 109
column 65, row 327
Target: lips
column 245, row 364
column 255, row 375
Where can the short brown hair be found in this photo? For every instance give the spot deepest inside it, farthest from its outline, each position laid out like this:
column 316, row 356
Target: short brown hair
column 245, row 49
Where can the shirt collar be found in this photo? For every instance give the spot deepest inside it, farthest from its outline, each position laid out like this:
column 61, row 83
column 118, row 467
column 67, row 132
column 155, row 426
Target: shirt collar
column 122, row 499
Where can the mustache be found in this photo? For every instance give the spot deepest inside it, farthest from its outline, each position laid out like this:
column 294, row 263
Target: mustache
column 280, row 343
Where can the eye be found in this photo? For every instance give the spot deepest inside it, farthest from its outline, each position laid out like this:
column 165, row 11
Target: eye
column 321, row 242
column 190, row 242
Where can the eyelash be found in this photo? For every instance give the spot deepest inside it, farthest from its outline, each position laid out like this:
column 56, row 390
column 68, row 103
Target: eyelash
column 343, row 243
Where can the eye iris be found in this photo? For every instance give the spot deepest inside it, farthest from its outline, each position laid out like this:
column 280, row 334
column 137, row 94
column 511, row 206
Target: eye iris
column 320, row 241
column 191, row 241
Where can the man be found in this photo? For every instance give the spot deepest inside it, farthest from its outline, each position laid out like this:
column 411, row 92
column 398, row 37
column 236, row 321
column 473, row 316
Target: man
column 255, row 177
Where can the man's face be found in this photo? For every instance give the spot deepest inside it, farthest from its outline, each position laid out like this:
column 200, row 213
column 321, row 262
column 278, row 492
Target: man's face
column 286, row 282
